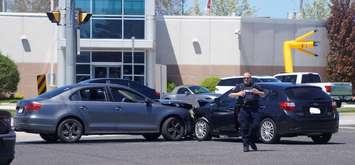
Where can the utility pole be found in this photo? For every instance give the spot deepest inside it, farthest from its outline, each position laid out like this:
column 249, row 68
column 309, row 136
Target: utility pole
column 70, row 39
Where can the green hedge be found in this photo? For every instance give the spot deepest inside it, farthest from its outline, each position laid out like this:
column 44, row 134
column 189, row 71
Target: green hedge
column 210, row 83
column 9, row 76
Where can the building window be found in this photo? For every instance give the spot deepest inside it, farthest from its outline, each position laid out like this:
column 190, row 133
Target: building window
column 107, row 7
column 124, row 65
column 134, row 7
column 113, row 19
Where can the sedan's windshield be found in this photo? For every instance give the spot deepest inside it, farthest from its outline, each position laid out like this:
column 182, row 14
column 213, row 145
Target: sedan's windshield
column 199, row 90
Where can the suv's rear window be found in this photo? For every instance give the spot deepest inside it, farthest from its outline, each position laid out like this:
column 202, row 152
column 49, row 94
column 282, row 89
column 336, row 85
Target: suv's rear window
column 310, row 78
column 306, row 93
column 230, row 82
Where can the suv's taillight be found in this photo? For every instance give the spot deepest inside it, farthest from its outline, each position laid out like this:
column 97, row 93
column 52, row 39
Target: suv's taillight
column 157, row 94
column 33, row 106
column 328, row 88
column 287, row 105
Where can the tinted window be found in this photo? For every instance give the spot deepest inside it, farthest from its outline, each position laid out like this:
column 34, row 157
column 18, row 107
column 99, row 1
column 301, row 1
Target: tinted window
column 84, row 57
column 306, row 93
column 230, row 82
column 106, row 28
column 198, row 90
column 268, row 80
column 310, row 78
column 134, row 28
column 85, row 30
column 123, row 95
column 182, row 91
column 91, row 94
column 134, row 7
column 55, row 92
column 106, row 57
column 290, row 78
column 82, row 69
column 107, row 7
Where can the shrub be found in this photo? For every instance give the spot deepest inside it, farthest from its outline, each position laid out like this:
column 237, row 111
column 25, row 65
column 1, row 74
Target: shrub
column 170, row 86
column 9, row 76
column 210, row 83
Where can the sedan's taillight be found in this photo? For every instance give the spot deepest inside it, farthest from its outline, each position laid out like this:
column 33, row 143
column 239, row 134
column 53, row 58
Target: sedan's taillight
column 287, row 105
column 157, row 94
column 33, row 106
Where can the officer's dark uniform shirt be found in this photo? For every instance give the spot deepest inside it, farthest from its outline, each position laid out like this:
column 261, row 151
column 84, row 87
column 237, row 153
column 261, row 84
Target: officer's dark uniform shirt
column 250, row 100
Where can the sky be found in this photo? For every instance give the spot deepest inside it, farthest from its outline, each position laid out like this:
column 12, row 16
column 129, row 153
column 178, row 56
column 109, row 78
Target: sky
column 268, row 8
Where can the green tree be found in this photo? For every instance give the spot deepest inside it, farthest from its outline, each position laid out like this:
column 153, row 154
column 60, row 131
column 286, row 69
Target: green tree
column 341, row 35
column 232, row 7
column 195, row 9
column 9, row 76
column 37, row 6
column 317, row 9
column 210, row 83
column 170, row 7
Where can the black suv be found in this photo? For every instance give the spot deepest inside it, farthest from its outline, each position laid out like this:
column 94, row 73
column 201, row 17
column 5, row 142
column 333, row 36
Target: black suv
column 287, row 110
column 7, row 139
column 149, row 92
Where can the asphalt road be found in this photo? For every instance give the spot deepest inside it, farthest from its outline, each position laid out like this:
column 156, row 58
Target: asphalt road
column 121, row 150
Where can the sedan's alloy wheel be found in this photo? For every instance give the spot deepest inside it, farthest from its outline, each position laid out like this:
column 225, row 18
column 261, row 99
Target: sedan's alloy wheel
column 202, row 130
column 70, row 130
column 268, row 131
column 173, row 129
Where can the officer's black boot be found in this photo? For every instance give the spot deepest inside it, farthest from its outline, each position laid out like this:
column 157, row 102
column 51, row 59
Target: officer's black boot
column 253, row 146
column 245, row 148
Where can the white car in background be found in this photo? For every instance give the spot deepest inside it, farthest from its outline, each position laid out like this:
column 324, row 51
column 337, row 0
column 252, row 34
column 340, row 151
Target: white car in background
column 227, row 83
column 338, row 91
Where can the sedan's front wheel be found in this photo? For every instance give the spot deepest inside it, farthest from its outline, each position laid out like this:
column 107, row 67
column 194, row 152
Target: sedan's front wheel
column 268, row 131
column 70, row 130
column 173, row 129
column 202, row 130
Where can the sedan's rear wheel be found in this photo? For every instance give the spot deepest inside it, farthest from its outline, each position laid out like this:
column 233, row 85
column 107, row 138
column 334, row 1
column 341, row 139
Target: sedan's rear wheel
column 322, row 139
column 70, row 130
column 51, row 138
column 151, row 136
column 173, row 129
column 268, row 131
column 202, row 130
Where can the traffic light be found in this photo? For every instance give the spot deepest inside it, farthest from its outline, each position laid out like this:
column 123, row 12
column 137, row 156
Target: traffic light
column 300, row 44
column 83, row 17
column 54, row 16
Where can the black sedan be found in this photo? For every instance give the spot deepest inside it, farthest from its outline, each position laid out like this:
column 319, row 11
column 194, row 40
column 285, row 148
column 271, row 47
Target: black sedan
column 287, row 110
column 7, row 138
column 68, row 112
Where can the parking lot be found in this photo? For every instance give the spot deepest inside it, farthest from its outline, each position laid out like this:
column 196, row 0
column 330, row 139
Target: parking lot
column 123, row 149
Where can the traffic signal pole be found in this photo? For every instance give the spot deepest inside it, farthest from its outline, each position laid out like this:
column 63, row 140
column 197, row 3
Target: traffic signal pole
column 71, row 41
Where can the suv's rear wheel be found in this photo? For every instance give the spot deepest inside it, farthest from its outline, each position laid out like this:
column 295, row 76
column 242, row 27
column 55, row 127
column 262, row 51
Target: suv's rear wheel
column 173, row 129
column 51, row 138
column 202, row 130
column 268, row 131
column 322, row 139
column 151, row 136
column 70, row 130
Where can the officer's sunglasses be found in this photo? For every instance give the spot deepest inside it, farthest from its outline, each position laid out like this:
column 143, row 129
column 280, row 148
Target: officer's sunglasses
column 247, row 78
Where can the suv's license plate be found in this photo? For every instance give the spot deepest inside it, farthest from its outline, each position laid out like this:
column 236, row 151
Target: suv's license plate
column 20, row 110
column 314, row 111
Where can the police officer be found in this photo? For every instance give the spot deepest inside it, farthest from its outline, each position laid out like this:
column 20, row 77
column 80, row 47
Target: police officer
column 248, row 99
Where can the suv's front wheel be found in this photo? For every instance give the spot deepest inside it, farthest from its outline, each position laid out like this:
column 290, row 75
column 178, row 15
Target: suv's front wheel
column 202, row 130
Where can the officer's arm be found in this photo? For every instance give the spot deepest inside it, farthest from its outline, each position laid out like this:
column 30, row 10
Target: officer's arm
column 257, row 90
column 237, row 92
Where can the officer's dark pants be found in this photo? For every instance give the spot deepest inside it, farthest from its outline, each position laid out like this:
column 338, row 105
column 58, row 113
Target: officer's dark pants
column 248, row 121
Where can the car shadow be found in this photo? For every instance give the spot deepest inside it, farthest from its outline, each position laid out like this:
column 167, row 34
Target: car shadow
column 296, row 142
column 92, row 141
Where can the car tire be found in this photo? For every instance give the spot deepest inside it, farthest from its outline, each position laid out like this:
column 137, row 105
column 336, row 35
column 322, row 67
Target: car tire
column 202, row 130
column 151, row 136
column 69, row 130
column 268, row 131
column 322, row 139
column 50, row 138
column 173, row 129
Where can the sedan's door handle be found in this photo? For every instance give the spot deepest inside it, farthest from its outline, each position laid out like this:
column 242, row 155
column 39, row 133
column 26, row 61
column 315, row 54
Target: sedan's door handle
column 117, row 108
column 84, row 108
